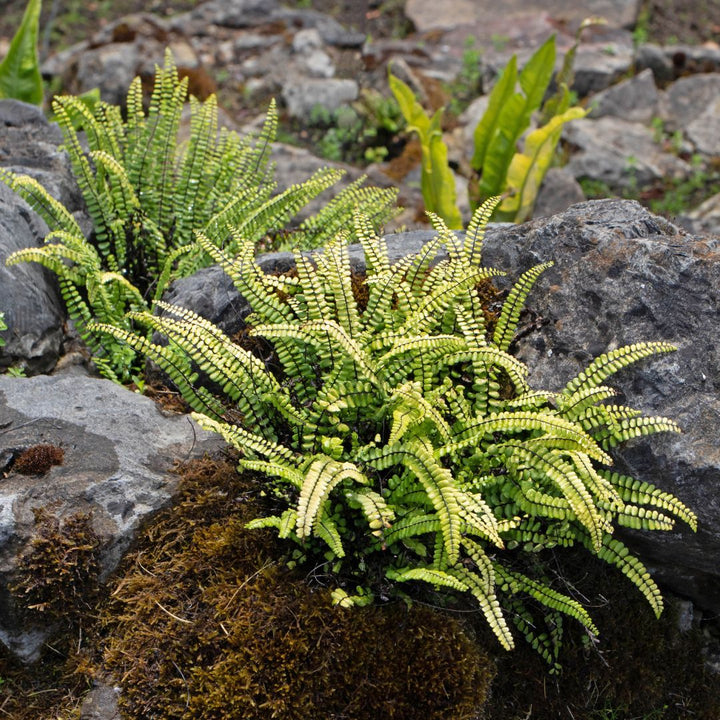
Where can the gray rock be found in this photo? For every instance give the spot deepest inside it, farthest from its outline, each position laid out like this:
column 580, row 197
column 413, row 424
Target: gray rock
column 619, row 153
column 635, row 99
column 101, row 703
column 704, row 131
column 28, row 293
column 601, row 63
column 704, row 219
column 302, row 95
column 687, row 97
column 231, row 13
column 109, row 67
column 670, row 62
column 559, row 190
column 434, row 14
column 118, row 451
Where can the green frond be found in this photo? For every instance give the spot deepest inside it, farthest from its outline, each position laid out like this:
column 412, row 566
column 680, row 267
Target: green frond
column 611, row 362
column 639, row 492
column 411, row 526
column 377, row 512
column 334, row 267
column 326, row 529
column 562, row 475
column 522, row 421
column 289, row 474
column 377, row 205
column 577, row 403
column 633, row 427
column 475, row 233
column 244, row 440
column 489, row 604
column 437, row 482
column 55, row 214
column 615, row 553
column 321, row 477
column 430, row 575
column 317, row 333
column 515, row 583
column 640, row 518
column 513, row 305
column 284, row 523
column 516, row 371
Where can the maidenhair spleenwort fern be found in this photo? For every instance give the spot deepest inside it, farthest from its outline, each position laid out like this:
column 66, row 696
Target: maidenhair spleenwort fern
column 148, row 194
column 403, row 442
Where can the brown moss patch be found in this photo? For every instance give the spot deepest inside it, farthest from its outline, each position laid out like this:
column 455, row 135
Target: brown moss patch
column 38, row 459
column 58, row 575
column 205, row 623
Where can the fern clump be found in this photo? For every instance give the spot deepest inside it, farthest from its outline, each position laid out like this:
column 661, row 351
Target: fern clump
column 400, row 438
column 147, row 194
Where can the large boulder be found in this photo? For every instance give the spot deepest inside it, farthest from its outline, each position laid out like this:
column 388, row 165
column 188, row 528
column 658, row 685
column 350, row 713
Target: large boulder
column 115, row 451
column 28, row 294
column 623, row 275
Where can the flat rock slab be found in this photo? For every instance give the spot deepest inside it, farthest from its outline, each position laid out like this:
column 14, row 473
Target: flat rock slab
column 435, row 14
column 118, row 449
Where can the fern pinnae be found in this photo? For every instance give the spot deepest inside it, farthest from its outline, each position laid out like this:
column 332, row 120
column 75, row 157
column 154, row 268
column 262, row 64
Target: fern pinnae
column 411, row 526
column 287, row 473
column 616, row 553
column 326, row 529
column 322, row 475
column 563, row 476
column 611, row 362
column 475, row 233
column 513, row 305
column 334, row 264
column 639, row 492
column 489, row 604
column 437, row 482
column 577, row 403
column 246, row 441
column 193, row 180
column 53, row 212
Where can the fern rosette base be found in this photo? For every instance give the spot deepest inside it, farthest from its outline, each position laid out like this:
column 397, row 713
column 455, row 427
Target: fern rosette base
column 400, row 439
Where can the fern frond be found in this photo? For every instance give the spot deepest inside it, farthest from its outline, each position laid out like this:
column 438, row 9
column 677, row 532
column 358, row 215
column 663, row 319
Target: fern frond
column 611, row 362
column 321, row 477
column 55, row 214
column 639, row 492
column 326, row 529
column 489, row 604
column 513, row 305
column 563, row 476
column 475, row 233
column 437, row 482
column 429, row 575
column 615, row 553
column 244, row 440
column 411, row 526
column 377, row 512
